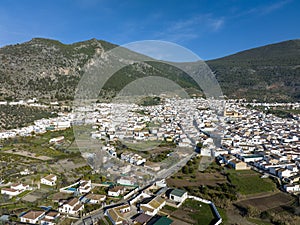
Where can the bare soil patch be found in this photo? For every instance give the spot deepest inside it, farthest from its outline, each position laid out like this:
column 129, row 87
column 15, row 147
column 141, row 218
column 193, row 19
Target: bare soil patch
column 29, row 154
column 211, row 179
column 268, row 202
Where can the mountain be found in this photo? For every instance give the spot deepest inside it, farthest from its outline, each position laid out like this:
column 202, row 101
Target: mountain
column 45, row 68
column 267, row 73
column 49, row 69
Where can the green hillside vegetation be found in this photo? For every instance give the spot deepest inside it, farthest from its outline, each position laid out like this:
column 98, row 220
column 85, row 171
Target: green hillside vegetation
column 14, row 116
column 49, row 69
column 268, row 73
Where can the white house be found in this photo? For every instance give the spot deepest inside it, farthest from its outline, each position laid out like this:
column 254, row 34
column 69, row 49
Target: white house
column 161, row 183
column 116, row 214
column 15, row 189
column 85, row 186
column 95, row 198
column 116, row 191
column 72, row 207
column 126, row 181
column 282, row 173
column 292, row 188
column 32, row 217
column 20, row 186
column 57, row 140
column 49, row 180
column 178, row 195
column 9, row 191
column 152, row 207
column 51, row 218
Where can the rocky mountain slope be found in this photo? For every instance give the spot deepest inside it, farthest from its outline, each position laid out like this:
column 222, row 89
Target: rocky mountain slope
column 51, row 70
column 45, row 68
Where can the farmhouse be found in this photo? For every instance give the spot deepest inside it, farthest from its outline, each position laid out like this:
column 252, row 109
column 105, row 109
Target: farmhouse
column 51, row 218
column 49, row 180
column 116, row 214
column 9, row 191
column 15, row 189
column 152, row 206
column 130, row 181
column 95, row 198
column 85, row 186
column 178, row 195
column 116, row 191
column 72, row 207
column 32, row 217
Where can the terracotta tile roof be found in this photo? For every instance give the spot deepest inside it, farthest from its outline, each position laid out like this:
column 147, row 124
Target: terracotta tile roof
column 77, row 207
column 95, row 196
column 52, row 213
column 33, row 214
column 50, row 177
column 72, row 201
column 116, row 188
column 10, row 189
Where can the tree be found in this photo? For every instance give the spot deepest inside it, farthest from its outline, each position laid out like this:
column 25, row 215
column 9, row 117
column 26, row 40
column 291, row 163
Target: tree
column 185, row 170
column 252, row 211
column 191, row 170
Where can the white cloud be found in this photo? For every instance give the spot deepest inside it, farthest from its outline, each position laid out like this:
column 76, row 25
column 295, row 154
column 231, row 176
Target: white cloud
column 190, row 28
column 264, row 9
column 275, row 6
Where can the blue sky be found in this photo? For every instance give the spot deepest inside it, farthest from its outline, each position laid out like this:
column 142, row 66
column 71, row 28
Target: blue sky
column 211, row 29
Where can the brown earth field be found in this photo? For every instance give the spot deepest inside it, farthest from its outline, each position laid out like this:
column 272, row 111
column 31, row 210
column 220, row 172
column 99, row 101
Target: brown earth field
column 211, row 179
column 268, row 202
column 183, row 215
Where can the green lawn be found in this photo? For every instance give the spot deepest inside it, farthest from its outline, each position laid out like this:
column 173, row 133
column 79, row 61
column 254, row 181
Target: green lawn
column 202, row 213
column 249, row 182
column 223, row 214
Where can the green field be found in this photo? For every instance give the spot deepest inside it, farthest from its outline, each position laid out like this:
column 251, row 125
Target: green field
column 142, row 145
column 202, row 213
column 249, row 182
column 223, row 214
column 39, row 144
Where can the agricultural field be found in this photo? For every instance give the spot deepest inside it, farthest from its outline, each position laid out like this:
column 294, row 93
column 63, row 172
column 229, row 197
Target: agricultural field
column 40, row 159
column 182, row 180
column 249, row 182
column 191, row 212
column 240, row 196
column 38, row 146
column 189, row 176
column 268, row 202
